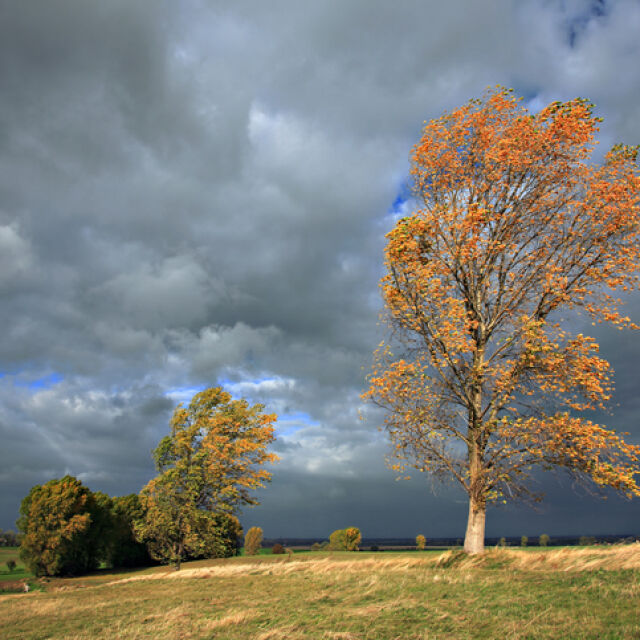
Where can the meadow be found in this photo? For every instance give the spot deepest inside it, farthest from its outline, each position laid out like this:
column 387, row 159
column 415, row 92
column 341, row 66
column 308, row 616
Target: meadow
column 588, row 592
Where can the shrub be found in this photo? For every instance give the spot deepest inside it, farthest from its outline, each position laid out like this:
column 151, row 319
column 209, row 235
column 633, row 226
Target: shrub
column 277, row 549
column 523, row 541
column 11, row 564
column 502, row 542
column 421, row 541
column 253, row 541
column 374, row 547
column 316, row 546
column 543, row 540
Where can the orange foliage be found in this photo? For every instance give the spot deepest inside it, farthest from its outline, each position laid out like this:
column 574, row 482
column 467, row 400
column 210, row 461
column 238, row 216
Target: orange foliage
column 514, row 228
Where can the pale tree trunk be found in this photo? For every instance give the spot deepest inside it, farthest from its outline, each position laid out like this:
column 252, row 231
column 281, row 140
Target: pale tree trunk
column 474, row 537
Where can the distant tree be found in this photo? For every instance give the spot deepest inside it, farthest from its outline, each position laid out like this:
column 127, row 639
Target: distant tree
column 374, row 547
column 421, row 541
column 514, row 231
column 253, row 541
column 502, row 542
column 56, row 524
column 586, row 540
column 11, row 564
column 209, row 464
column 523, row 541
column 316, row 546
column 337, row 540
column 8, row 539
column 345, row 539
column 277, row 549
column 543, row 540
column 352, row 538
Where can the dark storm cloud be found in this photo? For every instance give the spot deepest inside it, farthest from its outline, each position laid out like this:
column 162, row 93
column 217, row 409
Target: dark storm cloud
column 198, row 191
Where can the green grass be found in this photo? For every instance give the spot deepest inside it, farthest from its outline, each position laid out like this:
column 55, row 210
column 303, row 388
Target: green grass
column 20, row 573
column 377, row 596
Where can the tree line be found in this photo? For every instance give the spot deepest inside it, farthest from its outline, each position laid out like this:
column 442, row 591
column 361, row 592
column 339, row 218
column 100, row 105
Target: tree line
column 207, row 467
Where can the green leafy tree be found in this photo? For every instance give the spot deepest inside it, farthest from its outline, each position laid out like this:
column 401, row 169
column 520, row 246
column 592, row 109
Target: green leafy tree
column 125, row 550
column 337, row 540
column 523, row 541
column 56, row 524
column 543, row 540
column 421, row 541
column 253, row 541
column 209, row 464
column 230, row 535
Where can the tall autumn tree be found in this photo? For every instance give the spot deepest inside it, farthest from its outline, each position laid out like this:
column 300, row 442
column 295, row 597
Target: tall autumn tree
column 515, row 231
column 208, row 467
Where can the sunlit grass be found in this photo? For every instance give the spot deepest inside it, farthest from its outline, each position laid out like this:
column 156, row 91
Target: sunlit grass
column 508, row 593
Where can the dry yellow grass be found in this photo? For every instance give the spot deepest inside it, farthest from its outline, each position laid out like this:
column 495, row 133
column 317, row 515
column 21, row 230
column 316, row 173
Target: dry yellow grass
column 564, row 559
column 507, row 593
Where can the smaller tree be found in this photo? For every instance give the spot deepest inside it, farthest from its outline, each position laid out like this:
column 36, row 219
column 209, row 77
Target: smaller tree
column 277, row 549
column 253, row 541
column 523, row 541
column 11, row 564
column 543, row 540
column 421, row 541
column 502, row 542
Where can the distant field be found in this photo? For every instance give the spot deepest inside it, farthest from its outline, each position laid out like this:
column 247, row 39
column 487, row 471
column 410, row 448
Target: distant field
column 20, row 573
column 590, row 592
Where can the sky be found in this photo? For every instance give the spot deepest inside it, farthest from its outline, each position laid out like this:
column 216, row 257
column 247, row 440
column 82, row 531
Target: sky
column 196, row 193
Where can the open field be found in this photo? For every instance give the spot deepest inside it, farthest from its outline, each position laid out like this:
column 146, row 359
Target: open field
column 509, row 593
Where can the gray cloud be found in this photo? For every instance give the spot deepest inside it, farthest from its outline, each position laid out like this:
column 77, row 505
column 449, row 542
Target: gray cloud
column 192, row 192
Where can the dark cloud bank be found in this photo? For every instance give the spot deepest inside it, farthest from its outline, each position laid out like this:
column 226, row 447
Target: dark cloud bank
column 198, row 192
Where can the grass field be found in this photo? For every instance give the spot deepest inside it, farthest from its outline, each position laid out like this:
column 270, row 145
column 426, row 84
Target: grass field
column 508, row 593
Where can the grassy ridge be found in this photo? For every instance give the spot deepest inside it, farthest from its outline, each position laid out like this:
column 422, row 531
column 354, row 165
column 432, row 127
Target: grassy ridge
column 569, row 593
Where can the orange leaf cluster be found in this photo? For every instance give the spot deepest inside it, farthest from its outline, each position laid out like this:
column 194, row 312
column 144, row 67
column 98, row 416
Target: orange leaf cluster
column 513, row 229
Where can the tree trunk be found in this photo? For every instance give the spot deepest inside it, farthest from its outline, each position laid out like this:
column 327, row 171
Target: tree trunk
column 474, row 537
